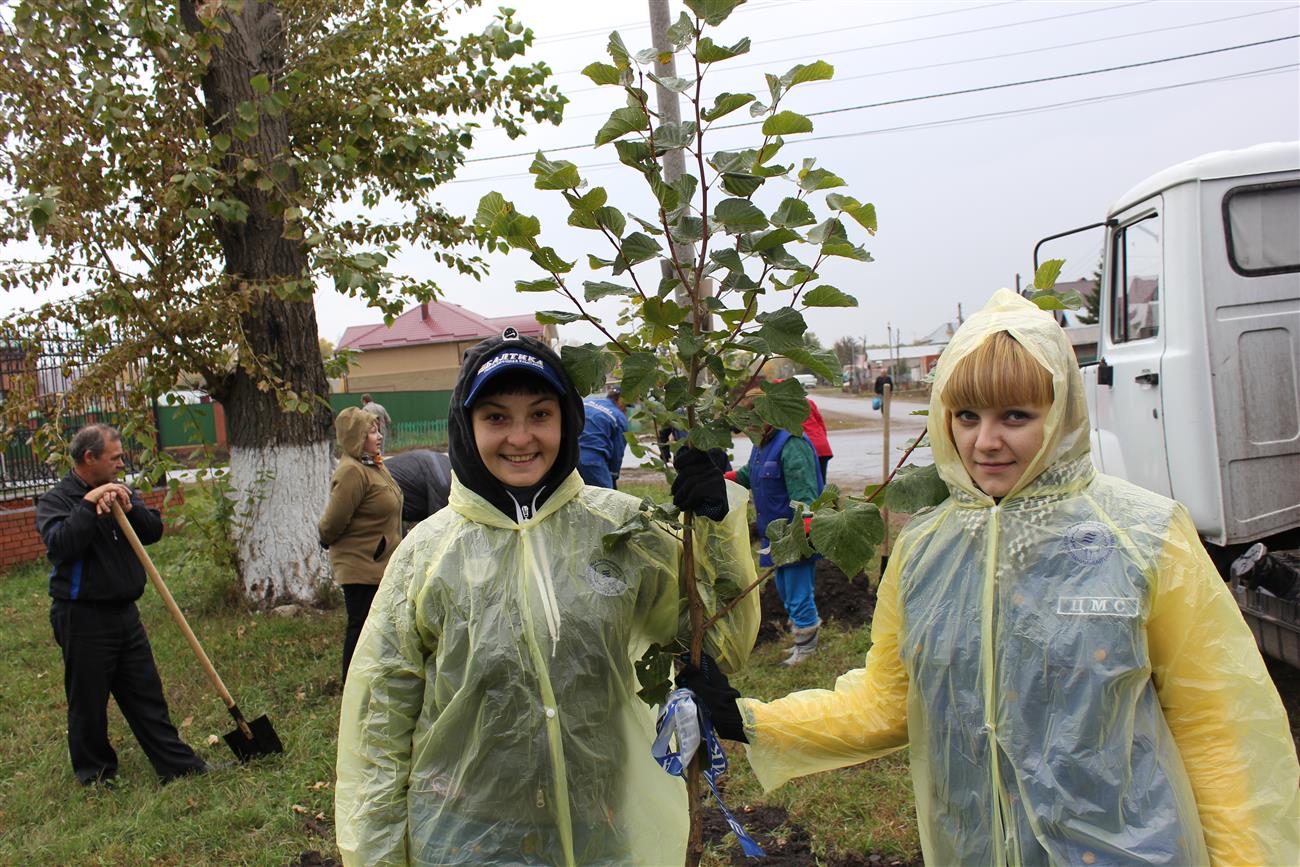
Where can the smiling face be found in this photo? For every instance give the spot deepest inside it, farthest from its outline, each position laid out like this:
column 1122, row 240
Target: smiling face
column 517, row 435
column 997, row 443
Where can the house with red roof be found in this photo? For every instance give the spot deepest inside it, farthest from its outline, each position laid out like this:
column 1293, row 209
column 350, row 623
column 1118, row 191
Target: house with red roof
column 423, row 348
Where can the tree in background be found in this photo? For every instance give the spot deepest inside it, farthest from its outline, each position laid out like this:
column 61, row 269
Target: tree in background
column 195, row 168
column 845, row 349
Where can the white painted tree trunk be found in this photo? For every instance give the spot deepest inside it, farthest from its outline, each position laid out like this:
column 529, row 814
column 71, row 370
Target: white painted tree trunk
column 280, row 493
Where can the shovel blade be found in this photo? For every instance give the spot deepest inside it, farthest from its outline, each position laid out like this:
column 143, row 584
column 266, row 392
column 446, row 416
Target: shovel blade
column 263, row 743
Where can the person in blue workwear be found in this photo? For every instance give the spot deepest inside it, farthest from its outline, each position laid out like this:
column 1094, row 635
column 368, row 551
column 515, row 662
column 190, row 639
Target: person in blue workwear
column 601, row 444
column 783, row 469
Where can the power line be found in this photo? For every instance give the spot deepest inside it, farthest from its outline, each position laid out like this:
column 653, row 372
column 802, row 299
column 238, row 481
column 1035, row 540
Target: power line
column 1009, row 54
column 730, row 67
column 929, row 96
column 957, row 121
column 962, row 9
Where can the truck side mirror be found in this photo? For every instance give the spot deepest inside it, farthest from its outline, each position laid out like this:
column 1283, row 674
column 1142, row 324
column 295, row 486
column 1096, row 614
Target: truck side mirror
column 1105, row 373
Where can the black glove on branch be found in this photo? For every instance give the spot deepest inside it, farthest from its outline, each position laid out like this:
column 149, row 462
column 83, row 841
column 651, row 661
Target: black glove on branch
column 713, row 693
column 699, row 486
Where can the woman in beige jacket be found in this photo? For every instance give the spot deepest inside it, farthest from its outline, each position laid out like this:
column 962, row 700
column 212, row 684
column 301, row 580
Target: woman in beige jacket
column 362, row 523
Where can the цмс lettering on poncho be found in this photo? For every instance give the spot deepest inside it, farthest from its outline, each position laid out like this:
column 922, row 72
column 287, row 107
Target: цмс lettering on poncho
column 1071, row 674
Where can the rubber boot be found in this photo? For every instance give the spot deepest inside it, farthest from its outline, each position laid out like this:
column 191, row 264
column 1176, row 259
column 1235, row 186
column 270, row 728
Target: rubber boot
column 805, row 644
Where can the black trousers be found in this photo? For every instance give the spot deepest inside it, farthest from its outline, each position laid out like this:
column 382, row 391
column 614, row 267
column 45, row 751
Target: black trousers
column 356, row 599
column 106, row 651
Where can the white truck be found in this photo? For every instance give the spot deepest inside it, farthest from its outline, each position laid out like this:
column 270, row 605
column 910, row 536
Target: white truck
column 1196, row 391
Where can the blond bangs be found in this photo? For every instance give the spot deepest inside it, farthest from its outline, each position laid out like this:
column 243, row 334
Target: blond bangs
column 999, row 372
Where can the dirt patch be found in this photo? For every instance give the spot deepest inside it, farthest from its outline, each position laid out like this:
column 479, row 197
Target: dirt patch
column 312, row 858
column 784, row 842
column 839, row 600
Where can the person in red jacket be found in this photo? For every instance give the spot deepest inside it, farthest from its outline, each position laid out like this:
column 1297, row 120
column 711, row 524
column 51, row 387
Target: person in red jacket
column 815, row 429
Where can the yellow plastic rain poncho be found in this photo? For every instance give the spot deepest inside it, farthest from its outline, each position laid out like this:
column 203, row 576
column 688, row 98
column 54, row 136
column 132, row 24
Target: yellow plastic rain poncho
column 1071, row 674
column 491, row 715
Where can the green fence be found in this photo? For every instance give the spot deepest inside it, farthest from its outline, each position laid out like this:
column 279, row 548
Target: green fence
column 419, row 418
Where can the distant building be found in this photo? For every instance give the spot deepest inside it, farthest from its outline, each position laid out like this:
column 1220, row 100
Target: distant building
column 423, row 348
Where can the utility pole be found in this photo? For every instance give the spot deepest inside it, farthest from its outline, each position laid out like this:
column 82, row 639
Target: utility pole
column 1018, row 283
column 960, row 319
column 674, row 161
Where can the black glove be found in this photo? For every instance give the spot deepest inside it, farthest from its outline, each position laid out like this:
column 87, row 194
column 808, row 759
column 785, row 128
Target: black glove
column 699, row 486
column 714, row 694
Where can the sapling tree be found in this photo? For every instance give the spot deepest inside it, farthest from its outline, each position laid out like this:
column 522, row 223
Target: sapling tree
column 713, row 271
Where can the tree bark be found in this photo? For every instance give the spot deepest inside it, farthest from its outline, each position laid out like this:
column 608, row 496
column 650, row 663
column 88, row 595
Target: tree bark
column 279, row 461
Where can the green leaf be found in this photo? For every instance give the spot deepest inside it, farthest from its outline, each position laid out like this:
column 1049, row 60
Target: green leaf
column 849, row 538
column 829, row 230
column 687, row 230
column 654, row 672
column 621, row 122
column 640, row 371
column 811, row 180
column 221, row 141
column 783, row 404
column 545, row 285
column 786, row 123
column 664, row 193
column 914, row 488
column 793, row 212
column 260, row 83
column 664, row 312
column 588, row 365
column 672, row 83
column 828, row 296
column 771, row 239
column 674, row 136
column 639, row 247
column 725, row 104
column 1047, row 273
column 677, row 393
column 788, row 540
column 602, row 73
column 709, row 51
column 846, row 250
column 711, row 434
column 617, row 50
column 548, row 260
column 818, row 70
column 682, row 33
column 864, row 215
column 554, row 175
column 782, row 330
column 713, row 12
column 822, row 362
column 636, row 154
column 596, row 289
column 728, row 258
column 558, row 317
column 739, row 215
column 612, row 219
column 742, row 185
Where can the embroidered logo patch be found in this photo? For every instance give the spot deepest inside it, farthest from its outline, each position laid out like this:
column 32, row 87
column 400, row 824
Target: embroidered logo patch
column 1098, row 606
column 1089, row 542
column 606, row 578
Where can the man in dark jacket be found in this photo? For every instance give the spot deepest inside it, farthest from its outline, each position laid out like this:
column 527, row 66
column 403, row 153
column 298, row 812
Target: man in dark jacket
column 95, row 582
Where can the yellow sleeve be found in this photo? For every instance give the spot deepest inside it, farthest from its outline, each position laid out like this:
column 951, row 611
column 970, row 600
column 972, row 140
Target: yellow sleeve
column 1222, row 708
column 863, row 718
column 381, row 705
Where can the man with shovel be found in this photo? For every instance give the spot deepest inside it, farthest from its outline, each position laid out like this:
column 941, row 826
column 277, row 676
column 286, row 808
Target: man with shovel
column 95, row 582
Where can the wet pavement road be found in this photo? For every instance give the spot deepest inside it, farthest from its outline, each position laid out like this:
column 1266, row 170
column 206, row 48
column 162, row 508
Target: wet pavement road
column 857, row 460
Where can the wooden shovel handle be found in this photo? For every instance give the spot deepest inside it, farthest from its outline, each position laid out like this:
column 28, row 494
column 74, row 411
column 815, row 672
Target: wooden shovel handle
column 172, row 607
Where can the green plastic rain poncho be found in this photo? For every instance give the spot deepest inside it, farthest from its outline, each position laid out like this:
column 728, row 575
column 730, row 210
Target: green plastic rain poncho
column 1071, row 674
column 491, row 715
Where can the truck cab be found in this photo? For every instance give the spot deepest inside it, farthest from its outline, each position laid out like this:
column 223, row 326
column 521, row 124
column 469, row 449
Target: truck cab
column 1196, row 391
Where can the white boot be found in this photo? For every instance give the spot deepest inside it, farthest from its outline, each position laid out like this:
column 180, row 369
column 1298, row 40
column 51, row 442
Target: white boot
column 805, row 644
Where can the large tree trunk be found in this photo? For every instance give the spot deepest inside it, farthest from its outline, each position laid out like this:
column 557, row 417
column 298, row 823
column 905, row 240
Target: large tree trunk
column 279, row 461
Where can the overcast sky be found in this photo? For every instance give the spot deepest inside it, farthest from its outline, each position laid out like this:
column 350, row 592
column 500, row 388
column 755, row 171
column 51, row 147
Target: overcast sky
column 963, row 185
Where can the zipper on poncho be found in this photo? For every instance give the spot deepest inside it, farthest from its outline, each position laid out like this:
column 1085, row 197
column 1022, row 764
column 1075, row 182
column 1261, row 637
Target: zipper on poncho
column 1001, row 815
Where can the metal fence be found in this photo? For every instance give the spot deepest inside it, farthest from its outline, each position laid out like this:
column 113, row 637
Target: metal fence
column 40, row 365
column 415, row 434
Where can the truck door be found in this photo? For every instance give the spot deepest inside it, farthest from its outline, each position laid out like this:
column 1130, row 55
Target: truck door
column 1132, row 343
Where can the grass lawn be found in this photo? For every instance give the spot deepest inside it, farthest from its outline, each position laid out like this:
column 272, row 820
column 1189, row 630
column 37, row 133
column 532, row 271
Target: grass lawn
column 271, row 811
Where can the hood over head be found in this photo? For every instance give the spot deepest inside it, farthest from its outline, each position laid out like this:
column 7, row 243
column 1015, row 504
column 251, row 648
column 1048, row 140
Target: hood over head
column 1066, row 428
column 350, row 428
column 484, row 361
